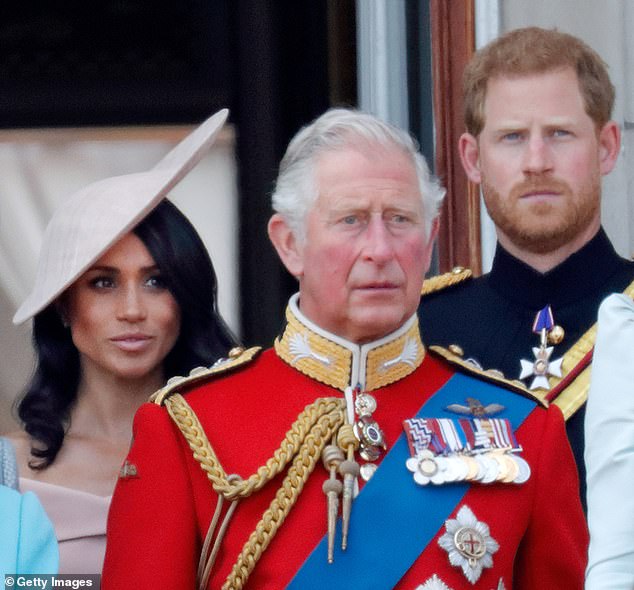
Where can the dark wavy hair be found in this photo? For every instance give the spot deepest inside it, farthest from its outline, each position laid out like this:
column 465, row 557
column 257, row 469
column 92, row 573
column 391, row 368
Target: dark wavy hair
column 204, row 337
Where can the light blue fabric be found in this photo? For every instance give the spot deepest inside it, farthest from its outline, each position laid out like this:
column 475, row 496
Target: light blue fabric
column 609, row 454
column 27, row 538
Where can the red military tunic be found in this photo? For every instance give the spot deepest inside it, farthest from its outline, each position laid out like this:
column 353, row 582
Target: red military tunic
column 160, row 514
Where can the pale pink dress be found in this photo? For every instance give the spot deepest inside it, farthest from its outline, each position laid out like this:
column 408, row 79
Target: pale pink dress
column 79, row 519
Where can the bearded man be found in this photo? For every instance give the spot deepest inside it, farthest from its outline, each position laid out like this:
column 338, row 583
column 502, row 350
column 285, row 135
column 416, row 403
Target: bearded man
column 538, row 106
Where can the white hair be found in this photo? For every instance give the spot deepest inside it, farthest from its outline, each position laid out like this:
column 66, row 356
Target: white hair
column 296, row 188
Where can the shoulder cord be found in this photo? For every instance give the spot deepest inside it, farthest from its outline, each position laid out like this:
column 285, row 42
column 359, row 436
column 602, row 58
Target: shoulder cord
column 571, row 391
column 303, row 443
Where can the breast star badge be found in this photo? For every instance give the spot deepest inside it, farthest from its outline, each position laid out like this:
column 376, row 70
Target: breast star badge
column 469, row 544
column 433, row 583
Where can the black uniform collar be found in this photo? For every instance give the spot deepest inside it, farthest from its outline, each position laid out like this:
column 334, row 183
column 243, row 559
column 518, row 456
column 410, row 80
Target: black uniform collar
column 564, row 284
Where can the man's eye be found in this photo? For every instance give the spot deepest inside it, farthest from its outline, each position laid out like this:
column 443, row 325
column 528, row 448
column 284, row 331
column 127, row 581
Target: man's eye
column 350, row 219
column 513, row 136
column 561, row 133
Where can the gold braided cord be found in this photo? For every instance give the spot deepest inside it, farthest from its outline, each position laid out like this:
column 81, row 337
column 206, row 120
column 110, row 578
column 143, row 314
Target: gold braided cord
column 188, row 423
column 576, row 393
column 303, row 465
column 448, row 279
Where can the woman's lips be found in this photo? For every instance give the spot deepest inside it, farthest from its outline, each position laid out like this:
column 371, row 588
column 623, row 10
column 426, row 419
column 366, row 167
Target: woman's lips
column 131, row 342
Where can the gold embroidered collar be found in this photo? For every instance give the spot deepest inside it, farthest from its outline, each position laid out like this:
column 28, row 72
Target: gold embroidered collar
column 340, row 363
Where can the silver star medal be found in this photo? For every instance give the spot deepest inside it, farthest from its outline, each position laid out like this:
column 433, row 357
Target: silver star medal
column 433, row 583
column 469, row 544
column 542, row 366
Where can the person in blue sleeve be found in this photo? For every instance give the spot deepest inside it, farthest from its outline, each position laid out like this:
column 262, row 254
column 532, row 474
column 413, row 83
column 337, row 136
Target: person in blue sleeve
column 27, row 539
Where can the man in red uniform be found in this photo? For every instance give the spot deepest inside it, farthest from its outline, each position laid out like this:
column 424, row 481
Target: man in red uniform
column 348, row 455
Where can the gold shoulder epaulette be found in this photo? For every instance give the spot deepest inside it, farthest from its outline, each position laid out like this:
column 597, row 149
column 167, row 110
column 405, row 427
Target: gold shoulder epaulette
column 448, row 279
column 452, row 356
column 237, row 357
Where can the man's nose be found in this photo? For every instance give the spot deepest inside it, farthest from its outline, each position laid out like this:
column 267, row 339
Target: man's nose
column 537, row 156
column 379, row 242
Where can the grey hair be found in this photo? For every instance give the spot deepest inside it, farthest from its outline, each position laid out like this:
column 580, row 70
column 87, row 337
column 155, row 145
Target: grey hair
column 296, row 188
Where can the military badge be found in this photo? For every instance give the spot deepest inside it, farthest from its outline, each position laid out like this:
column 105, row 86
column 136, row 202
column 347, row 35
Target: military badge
column 542, row 366
column 469, row 544
column 433, row 583
column 128, row 470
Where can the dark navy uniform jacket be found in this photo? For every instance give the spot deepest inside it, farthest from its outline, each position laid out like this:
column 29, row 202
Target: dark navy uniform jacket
column 491, row 317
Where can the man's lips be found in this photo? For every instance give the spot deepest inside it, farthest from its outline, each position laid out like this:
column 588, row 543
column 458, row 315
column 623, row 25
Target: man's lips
column 543, row 193
column 378, row 286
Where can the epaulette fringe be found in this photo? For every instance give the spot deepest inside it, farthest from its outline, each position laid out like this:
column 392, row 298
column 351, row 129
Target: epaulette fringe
column 439, row 282
column 237, row 357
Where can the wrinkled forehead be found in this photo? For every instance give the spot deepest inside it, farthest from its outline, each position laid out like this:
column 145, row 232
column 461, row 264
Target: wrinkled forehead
column 364, row 164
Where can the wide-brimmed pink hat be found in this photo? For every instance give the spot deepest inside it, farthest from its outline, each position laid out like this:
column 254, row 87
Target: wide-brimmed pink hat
column 91, row 220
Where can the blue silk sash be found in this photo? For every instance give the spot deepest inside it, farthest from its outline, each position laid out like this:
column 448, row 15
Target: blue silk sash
column 393, row 518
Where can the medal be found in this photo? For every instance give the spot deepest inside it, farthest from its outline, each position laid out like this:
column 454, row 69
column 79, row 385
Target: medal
column 433, row 583
column 368, row 432
column 542, row 366
column 469, row 544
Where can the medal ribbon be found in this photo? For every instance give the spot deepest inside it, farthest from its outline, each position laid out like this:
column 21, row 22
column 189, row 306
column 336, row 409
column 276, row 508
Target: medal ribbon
column 441, row 435
column 391, row 521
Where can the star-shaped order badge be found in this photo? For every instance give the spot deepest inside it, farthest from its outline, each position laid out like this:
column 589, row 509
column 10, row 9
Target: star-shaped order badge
column 435, row 583
column 542, row 367
column 469, row 544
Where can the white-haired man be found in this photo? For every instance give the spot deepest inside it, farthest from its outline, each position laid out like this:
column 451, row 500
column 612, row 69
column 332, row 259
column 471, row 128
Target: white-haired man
column 348, row 403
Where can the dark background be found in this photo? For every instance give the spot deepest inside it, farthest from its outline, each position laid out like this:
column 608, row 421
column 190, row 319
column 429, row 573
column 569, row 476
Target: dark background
column 276, row 64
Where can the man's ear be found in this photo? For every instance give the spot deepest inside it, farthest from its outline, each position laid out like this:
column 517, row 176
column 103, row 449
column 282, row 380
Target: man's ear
column 470, row 157
column 609, row 146
column 287, row 245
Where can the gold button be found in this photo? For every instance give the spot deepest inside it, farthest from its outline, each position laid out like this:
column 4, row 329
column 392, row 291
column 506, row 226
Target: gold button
column 236, row 352
column 556, row 335
column 455, row 349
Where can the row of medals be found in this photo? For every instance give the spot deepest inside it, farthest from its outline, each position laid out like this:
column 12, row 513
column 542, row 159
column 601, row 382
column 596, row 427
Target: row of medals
column 496, row 465
column 487, row 467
